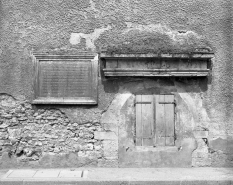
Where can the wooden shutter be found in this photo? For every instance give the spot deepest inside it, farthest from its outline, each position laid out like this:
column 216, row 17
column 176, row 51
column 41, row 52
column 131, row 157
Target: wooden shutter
column 144, row 120
column 164, row 120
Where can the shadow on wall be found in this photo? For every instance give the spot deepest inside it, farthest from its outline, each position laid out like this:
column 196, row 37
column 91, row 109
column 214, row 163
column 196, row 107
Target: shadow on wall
column 116, row 84
column 136, row 84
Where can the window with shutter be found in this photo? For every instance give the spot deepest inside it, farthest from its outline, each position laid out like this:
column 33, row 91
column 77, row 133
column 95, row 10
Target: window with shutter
column 144, row 120
column 63, row 79
column 155, row 120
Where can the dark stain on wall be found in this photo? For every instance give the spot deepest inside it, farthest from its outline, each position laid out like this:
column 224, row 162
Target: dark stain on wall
column 151, row 40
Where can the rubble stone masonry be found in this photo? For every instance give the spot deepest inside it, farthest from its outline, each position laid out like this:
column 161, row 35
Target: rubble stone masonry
column 46, row 137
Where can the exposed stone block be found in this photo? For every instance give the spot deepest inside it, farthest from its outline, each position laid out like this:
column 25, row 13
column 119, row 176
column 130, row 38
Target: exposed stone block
column 110, row 118
column 2, row 142
column 201, row 134
column 4, row 125
column 97, row 147
column 7, row 116
column 51, row 118
column 110, row 149
column 89, row 146
column 200, row 154
column 201, row 162
column 107, row 163
column 3, row 135
column 105, row 136
column 14, row 133
column 224, row 145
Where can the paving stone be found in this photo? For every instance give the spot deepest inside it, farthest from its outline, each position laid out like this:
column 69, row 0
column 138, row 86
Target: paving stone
column 70, row 174
column 46, row 173
column 22, row 174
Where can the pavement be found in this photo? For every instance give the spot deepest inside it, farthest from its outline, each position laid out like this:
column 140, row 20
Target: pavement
column 115, row 176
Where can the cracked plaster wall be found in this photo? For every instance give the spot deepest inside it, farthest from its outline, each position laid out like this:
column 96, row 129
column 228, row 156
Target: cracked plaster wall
column 77, row 25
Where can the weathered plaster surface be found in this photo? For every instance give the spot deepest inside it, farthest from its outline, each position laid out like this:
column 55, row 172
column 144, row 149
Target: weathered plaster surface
column 79, row 25
column 75, row 38
column 151, row 39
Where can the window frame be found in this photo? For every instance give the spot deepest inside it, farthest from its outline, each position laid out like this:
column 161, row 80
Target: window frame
column 90, row 100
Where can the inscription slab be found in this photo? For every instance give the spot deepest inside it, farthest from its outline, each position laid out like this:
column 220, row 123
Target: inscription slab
column 65, row 79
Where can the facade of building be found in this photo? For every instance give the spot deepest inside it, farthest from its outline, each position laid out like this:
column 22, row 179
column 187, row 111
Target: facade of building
column 116, row 83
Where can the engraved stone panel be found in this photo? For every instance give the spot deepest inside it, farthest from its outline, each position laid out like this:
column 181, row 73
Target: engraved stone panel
column 66, row 79
column 63, row 80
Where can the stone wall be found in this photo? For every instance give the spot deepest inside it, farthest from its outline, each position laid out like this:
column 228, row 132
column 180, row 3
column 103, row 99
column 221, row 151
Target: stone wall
column 54, row 136
column 46, row 137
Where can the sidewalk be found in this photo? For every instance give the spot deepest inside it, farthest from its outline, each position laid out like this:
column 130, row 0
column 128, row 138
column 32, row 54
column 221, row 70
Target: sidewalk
column 104, row 176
